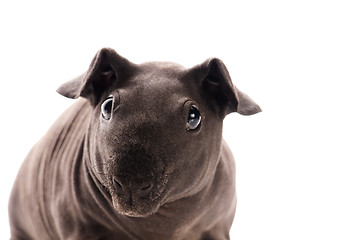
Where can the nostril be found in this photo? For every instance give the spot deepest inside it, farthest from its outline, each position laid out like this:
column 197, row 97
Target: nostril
column 117, row 184
column 146, row 186
column 145, row 189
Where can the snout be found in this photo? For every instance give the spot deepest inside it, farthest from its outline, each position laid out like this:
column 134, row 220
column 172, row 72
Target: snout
column 137, row 180
column 139, row 198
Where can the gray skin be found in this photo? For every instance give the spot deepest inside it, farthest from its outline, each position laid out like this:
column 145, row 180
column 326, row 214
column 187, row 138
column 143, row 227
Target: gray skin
column 132, row 168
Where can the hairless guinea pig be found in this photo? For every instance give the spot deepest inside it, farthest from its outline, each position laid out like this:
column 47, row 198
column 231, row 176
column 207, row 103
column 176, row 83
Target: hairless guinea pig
column 139, row 156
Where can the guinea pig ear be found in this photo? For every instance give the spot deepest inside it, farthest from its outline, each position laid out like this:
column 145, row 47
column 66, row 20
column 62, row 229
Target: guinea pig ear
column 218, row 84
column 103, row 70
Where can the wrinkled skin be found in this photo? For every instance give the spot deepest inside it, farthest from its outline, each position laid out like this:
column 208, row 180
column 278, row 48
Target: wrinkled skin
column 138, row 173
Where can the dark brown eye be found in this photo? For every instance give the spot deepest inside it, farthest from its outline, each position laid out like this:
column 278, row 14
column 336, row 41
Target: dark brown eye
column 194, row 118
column 107, row 107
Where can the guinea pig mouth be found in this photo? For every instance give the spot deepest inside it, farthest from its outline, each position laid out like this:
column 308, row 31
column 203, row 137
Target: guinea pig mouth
column 137, row 199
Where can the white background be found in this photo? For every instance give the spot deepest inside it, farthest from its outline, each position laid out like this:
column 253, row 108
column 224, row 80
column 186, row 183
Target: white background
column 298, row 162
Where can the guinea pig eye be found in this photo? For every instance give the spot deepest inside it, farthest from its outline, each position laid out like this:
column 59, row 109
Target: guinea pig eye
column 194, row 118
column 107, row 107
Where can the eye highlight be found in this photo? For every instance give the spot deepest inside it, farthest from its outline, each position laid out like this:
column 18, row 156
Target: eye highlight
column 194, row 119
column 107, row 107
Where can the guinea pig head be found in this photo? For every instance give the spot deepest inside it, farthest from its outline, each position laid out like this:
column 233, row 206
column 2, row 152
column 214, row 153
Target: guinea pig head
column 155, row 133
